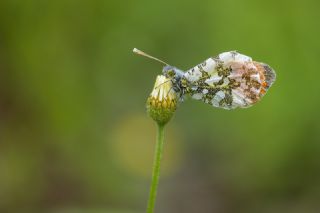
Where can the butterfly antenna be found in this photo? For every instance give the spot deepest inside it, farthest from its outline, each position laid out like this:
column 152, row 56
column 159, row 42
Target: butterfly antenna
column 139, row 52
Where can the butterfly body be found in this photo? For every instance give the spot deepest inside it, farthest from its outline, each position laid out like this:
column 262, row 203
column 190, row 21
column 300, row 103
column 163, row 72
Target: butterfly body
column 228, row 81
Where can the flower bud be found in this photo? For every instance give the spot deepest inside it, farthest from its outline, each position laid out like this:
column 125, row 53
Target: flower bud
column 162, row 102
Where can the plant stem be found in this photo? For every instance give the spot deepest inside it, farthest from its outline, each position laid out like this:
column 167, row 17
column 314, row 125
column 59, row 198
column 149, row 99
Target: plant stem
column 156, row 168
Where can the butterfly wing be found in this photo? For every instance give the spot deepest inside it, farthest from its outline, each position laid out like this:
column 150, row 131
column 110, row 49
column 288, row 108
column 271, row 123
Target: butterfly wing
column 229, row 81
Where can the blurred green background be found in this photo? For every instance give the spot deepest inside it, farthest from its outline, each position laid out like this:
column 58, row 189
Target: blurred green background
column 74, row 135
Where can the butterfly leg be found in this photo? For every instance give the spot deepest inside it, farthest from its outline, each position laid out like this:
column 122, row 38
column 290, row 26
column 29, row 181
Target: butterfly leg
column 162, row 83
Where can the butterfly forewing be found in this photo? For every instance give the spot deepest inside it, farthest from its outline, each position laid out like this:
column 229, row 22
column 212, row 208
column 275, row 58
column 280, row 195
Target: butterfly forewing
column 229, row 80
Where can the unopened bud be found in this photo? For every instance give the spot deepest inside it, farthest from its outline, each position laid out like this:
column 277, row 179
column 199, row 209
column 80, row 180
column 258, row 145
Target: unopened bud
column 162, row 102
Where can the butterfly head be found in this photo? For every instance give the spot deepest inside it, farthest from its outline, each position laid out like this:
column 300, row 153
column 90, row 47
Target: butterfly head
column 172, row 72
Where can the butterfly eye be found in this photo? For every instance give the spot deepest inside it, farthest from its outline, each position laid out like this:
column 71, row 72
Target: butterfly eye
column 169, row 73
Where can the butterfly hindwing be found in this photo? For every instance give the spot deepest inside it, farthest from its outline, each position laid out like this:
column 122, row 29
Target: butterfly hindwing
column 229, row 81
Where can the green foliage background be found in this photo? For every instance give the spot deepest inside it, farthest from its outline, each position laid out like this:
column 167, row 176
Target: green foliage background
column 74, row 136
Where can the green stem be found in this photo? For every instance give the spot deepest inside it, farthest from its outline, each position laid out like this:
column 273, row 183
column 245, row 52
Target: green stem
column 156, row 168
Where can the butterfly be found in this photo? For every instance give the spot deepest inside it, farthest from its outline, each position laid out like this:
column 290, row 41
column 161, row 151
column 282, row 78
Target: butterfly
column 230, row 80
